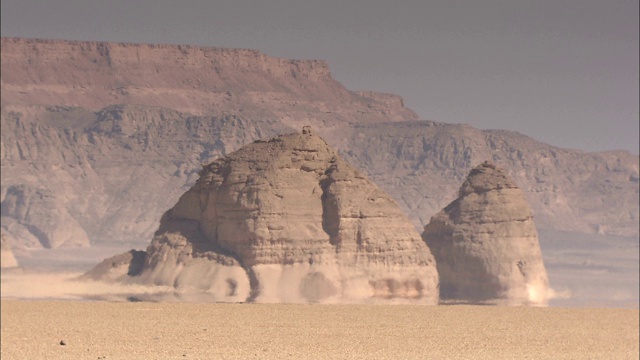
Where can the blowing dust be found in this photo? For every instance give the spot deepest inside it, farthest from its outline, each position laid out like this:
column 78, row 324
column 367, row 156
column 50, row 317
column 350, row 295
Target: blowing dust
column 65, row 286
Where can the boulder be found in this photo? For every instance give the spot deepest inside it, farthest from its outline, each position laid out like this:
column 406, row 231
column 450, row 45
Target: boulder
column 118, row 267
column 486, row 244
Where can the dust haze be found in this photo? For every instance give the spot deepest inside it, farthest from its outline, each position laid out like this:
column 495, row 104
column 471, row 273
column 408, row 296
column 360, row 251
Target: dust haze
column 603, row 274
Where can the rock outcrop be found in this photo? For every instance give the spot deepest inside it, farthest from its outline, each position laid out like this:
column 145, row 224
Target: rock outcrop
column 486, row 244
column 286, row 220
column 7, row 259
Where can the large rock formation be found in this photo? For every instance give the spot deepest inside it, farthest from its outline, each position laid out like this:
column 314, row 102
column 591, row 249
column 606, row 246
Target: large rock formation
column 285, row 220
column 486, row 245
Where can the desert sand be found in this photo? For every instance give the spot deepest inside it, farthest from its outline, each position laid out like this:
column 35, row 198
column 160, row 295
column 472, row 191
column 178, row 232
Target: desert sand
column 142, row 330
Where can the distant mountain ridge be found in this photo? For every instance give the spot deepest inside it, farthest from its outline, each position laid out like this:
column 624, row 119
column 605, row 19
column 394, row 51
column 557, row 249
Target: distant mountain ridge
column 111, row 134
column 189, row 79
column 423, row 163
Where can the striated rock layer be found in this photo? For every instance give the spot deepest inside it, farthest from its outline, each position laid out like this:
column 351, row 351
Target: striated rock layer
column 486, row 244
column 286, row 220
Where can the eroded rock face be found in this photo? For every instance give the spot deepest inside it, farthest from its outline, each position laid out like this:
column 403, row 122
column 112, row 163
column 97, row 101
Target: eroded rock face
column 37, row 217
column 287, row 220
column 486, row 244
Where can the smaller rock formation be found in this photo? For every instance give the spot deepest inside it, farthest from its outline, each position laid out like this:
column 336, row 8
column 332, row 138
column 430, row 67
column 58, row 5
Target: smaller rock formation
column 118, row 267
column 486, row 244
column 7, row 260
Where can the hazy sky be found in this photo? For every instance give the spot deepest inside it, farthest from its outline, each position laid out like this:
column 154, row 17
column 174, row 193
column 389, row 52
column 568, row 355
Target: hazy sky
column 564, row 72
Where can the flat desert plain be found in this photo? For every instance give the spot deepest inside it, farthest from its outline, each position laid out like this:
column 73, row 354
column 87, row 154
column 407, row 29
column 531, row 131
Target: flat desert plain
column 149, row 330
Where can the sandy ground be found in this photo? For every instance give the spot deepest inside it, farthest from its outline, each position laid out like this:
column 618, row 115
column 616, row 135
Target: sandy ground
column 140, row 330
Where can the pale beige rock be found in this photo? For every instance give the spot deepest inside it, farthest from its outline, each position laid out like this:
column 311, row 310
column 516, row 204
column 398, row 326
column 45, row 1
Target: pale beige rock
column 118, row 267
column 486, row 244
column 287, row 220
column 7, row 259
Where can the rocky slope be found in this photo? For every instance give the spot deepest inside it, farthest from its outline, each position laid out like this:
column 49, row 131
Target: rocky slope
column 285, row 220
column 568, row 190
column 91, row 133
column 486, row 244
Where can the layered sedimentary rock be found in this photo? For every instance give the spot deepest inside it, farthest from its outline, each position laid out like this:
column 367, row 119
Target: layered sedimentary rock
column 189, row 79
column 118, row 267
column 105, row 127
column 287, row 220
column 486, row 244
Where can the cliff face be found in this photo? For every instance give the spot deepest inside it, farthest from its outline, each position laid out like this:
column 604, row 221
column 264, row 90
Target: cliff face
column 421, row 163
column 286, row 220
column 101, row 129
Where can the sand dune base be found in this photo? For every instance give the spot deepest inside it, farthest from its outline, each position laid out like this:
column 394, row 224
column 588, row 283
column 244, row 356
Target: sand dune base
column 140, row 330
